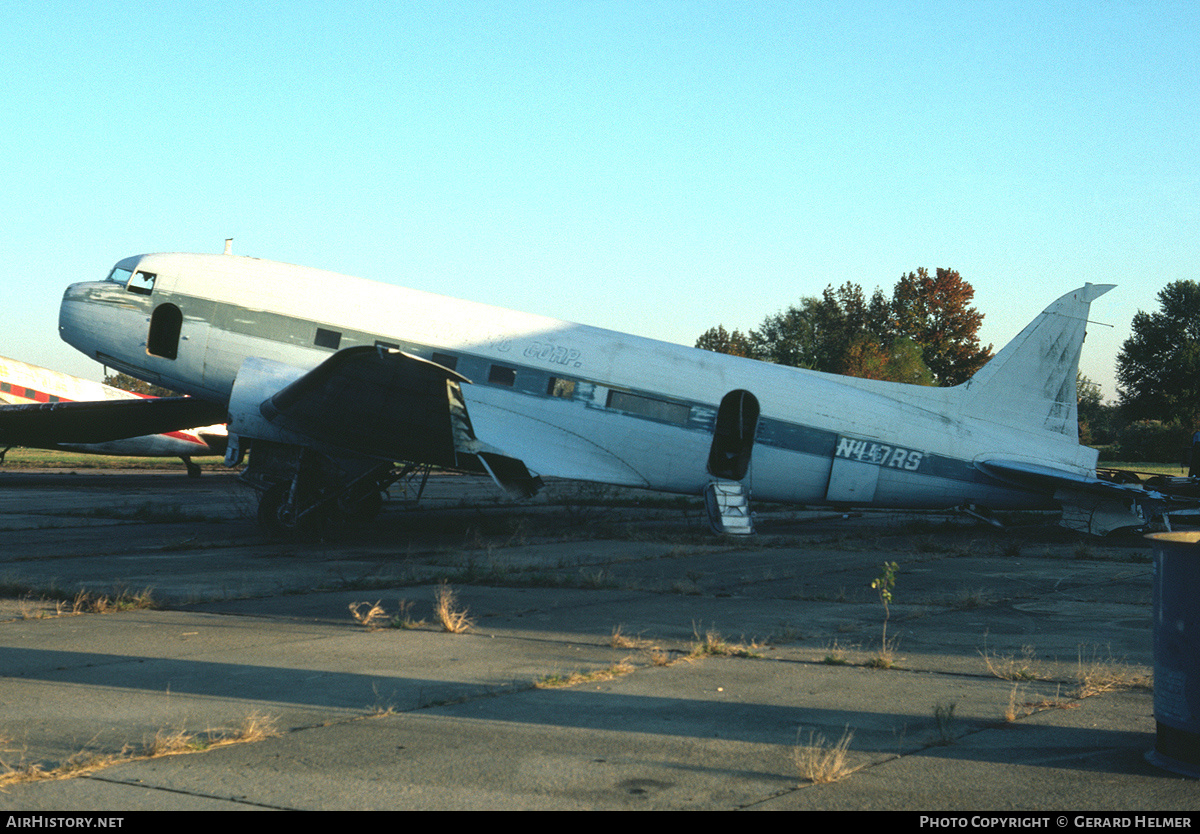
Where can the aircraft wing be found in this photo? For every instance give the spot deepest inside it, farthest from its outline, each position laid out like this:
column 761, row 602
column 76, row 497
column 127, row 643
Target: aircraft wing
column 372, row 401
column 1090, row 504
column 375, row 402
column 42, row 424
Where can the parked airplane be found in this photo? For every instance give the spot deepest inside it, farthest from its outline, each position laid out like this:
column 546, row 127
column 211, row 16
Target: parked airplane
column 330, row 379
column 45, row 409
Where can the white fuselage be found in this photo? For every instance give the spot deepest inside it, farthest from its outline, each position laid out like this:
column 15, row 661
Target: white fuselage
column 568, row 400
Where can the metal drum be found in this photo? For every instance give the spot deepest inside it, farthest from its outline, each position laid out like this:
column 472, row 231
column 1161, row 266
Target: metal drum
column 1177, row 652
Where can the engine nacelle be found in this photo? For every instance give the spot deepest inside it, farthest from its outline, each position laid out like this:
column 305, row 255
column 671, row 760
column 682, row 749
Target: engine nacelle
column 257, row 381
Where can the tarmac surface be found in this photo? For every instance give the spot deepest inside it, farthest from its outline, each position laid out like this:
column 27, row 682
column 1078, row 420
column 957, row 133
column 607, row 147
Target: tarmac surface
column 619, row 657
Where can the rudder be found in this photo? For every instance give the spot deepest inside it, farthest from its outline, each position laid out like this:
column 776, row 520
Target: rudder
column 1031, row 382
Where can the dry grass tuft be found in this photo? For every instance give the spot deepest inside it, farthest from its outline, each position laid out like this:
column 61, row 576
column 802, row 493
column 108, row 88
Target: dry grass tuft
column 658, row 657
column 86, row 603
column 1011, row 667
column 967, row 599
column 1095, row 676
column 371, row 617
column 404, row 618
column 885, row 658
column 374, row 617
column 172, row 742
column 555, row 681
column 712, row 644
column 452, row 618
column 820, row 763
column 1019, row 707
column 1010, row 712
column 620, row 640
column 943, row 714
column 835, row 655
column 254, row 727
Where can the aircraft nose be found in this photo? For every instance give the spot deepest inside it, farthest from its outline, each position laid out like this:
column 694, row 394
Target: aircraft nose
column 72, row 312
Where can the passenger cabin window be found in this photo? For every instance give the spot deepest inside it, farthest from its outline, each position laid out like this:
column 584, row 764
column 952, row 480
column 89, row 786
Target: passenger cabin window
column 447, row 361
column 141, row 283
column 166, row 322
column 649, row 407
column 501, row 375
column 564, row 388
column 327, row 338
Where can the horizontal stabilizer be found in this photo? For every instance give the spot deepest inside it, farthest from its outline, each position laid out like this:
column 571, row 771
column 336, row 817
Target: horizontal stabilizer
column 49, row 424
column 1090, row 504
column 1047, row 479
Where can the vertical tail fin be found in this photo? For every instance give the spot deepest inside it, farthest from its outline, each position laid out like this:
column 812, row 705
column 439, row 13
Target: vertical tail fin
column 1031, row 382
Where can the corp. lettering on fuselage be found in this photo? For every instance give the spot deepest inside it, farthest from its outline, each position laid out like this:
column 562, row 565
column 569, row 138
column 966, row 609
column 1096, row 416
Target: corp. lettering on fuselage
column 556, row 354
column 879, row 454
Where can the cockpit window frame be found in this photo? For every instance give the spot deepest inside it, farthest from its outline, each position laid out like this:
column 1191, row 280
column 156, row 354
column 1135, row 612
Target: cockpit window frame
column 141, row 283
column 126, row 273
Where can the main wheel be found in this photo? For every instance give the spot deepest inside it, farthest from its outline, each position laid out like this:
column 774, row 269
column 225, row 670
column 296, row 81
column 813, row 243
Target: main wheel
column 280, row 517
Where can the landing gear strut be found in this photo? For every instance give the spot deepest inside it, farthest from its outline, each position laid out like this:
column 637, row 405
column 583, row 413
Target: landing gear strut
column 304, row 493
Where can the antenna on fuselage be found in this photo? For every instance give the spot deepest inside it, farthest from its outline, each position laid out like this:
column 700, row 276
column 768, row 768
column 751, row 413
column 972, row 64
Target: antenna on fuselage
column 228, row 246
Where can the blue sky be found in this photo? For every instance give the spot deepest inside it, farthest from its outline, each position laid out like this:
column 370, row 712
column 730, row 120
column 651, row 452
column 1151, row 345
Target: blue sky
column 652, row 167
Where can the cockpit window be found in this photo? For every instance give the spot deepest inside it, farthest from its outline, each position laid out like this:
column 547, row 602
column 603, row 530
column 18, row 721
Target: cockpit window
column 134, row 281
column 141, row 283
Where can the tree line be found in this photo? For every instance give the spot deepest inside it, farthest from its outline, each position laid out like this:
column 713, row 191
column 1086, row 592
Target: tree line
column 926, row 333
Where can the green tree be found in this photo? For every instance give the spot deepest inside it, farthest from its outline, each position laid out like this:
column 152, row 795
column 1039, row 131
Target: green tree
column 719, row 340
column 789, row 337
column 926, row 334
column 841, row 332
column 1099, row 421
column 1158, row 368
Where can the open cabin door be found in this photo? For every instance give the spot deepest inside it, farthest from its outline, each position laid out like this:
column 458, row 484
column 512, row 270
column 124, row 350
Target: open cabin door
column 726, row 498
column 733, row 436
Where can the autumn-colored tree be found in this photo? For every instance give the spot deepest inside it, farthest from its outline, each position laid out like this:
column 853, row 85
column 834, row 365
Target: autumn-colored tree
column 936, row 313
column 898, row 362
column 925, row 334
